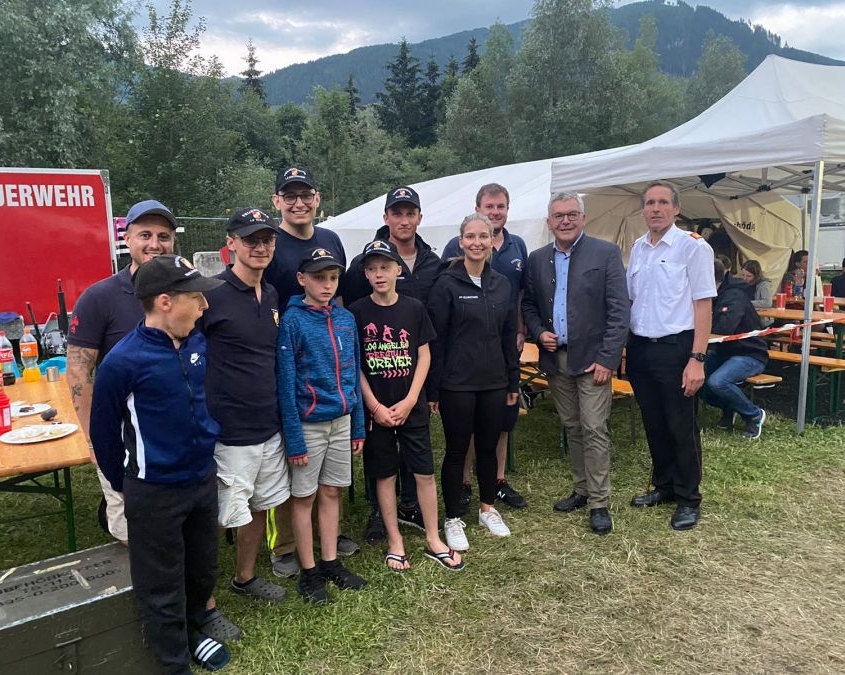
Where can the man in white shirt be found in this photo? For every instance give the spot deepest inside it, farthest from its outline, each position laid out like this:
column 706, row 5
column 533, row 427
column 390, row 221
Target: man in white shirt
column 671, row 285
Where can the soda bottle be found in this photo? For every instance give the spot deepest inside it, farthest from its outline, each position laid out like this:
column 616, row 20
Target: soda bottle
column 798, row 283
column 29, row 350
column 5, row 410
column 7, row 355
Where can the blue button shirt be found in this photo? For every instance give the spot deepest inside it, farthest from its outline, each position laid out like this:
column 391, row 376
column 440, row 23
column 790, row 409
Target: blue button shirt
column 561, row 281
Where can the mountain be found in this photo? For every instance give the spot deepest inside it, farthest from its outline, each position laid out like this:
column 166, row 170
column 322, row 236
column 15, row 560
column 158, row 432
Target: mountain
column 681, row 29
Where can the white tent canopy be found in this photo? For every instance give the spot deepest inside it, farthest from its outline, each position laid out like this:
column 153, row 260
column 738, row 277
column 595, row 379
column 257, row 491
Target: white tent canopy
column 764, row 134
column 445, row 202
column 781, row 130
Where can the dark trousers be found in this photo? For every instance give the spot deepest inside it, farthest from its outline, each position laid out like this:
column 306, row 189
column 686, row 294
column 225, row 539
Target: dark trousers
column 465, row 413
column 407, row 488
column 173, row 561
column 655, row 370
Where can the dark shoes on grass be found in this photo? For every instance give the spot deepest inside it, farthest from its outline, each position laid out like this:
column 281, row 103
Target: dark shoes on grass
column 375, row 532
column 653, row 498
column 312, row 582
column 260, row 589
column 571, row 503
column 600, row 521
column 410, row 516
column 505, row 493
column 685, row 517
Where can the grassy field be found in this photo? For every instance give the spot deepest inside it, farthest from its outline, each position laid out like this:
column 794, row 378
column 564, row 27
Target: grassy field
column 756, row 588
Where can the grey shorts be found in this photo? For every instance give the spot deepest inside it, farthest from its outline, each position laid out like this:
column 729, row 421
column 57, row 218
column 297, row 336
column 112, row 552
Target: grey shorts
column 114, row 509
column 329, row 457
column 250, row 478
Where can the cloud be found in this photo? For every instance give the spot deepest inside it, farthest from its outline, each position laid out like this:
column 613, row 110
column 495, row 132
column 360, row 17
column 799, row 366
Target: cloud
column 283, row 36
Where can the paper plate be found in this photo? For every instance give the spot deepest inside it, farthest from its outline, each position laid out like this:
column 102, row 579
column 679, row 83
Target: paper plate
column 36, row 433
column 23, row 409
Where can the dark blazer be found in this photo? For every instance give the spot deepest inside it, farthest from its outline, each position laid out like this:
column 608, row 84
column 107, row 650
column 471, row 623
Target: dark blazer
column 598, row 310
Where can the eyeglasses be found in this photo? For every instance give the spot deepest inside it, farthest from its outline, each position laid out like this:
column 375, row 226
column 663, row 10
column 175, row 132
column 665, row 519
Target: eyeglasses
column 560, row 217
column 290, row 197
column 268, row 240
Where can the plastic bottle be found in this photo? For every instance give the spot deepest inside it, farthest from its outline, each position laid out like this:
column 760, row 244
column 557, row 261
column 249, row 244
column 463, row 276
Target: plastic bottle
column 798, row 283
column 7, row 356
column 29, row 350
column 5, row 410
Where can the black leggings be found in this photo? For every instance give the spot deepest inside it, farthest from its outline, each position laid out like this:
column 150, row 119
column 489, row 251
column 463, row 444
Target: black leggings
column 465, row 413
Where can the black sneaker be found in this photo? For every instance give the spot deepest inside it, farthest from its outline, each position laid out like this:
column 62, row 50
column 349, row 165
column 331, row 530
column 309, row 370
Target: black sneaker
column 726, row 421
column 754, row 427
column 411, row 516
column 465, row 499
column 312, row 586
column 341, row 577
column 375, row 532
column 505, row 493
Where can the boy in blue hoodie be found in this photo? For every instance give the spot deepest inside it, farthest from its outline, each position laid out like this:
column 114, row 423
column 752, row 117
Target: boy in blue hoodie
column 154, row 441
column 322, row 415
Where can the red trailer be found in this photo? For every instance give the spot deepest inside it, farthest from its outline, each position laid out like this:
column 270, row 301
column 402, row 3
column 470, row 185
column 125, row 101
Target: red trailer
column 56, row 224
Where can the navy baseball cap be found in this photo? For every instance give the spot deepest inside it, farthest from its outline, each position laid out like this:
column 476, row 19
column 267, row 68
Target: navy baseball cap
column 295, row 174
column 170, row 274
column 403, row 193
column 383, row 248
column 150, row 207
column 244, row 222
column 319, row 259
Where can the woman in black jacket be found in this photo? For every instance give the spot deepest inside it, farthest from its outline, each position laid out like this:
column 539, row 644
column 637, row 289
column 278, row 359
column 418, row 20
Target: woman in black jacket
column 474, row 370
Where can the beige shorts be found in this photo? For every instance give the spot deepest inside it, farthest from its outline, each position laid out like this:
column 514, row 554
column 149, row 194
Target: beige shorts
column 250, row 478
column 329, row 457
column 114, row 509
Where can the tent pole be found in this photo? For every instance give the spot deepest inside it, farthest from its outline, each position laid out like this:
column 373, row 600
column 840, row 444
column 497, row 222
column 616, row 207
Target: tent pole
column 809, row 292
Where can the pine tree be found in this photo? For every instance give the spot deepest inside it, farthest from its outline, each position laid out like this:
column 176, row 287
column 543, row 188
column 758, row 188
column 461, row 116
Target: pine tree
column 398, row 105
column 252, row 76
column 471, row 60
column 354, row 99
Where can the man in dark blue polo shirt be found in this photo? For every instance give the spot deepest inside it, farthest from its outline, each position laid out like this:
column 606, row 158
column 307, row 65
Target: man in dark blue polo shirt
column 241, row 325
column 510, row 258
column 103, row 315
column 297, row 199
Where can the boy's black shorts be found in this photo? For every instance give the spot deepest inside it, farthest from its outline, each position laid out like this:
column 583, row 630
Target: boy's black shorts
column 381, row 460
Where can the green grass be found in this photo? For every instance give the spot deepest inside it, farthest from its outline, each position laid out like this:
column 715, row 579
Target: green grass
column 756, row 588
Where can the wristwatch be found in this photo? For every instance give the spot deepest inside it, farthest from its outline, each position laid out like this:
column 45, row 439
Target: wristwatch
column 698, row 356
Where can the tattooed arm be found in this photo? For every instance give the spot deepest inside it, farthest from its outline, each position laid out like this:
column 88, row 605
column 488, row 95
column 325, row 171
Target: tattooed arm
column 80, row 379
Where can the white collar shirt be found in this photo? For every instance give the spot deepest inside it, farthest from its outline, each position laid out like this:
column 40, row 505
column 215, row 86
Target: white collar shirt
column 665, row 278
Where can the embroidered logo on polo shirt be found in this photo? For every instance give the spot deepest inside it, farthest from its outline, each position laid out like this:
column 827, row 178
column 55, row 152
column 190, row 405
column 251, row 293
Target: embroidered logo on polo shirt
column 195, row 358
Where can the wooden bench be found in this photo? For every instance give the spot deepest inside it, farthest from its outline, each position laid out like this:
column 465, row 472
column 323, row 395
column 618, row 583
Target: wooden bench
column 823, row 364
column 761, row 381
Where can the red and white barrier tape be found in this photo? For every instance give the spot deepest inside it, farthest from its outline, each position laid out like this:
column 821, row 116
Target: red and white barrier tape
column 769, row 331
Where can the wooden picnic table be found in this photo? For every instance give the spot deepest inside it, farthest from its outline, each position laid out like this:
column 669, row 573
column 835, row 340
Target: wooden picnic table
column 44, row 467
column 838, row 323
column 798, row 302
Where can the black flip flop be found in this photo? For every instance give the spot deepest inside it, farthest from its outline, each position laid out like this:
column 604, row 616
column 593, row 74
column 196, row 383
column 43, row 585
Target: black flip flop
column 441, row 558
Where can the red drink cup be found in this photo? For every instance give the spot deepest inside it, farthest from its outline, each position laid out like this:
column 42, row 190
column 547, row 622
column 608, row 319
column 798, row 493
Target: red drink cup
column 828, row 289
column 828, row 304
column 780, row 300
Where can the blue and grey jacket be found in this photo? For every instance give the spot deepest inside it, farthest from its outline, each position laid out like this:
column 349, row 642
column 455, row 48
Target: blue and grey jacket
column 319, row 370
column 149, row 418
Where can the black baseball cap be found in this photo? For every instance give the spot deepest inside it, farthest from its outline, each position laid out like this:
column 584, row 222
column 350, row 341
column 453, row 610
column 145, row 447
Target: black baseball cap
column 170, row 274
column 402, row 194
column 383, row 248
column 244, row 222
column 295, row 174
column 319, row 259
column 150, row 207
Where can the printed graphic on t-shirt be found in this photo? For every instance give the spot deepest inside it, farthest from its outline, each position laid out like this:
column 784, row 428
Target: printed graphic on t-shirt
column 385, row 357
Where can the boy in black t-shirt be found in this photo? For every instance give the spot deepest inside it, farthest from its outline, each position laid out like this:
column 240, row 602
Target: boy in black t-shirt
column 394, row 334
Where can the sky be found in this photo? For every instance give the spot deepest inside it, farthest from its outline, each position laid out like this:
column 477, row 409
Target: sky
column 286, row 33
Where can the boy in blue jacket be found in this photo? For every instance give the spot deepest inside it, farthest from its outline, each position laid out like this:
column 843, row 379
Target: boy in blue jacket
column 322, row 415
column 154, row 442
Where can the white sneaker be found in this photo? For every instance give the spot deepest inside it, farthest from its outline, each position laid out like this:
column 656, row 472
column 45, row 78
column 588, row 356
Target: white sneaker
column 493, row 522
column 455, row 537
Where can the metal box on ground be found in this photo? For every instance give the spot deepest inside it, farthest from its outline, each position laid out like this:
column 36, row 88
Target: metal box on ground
column 72, row 614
